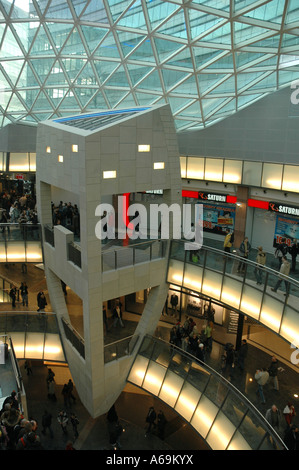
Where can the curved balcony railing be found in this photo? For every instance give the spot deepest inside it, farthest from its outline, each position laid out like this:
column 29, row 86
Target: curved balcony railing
column 34, row 336
column 215, row 274
column 224, row 417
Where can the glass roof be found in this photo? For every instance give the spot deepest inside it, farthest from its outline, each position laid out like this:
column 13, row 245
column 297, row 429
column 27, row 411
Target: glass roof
column 207, row 59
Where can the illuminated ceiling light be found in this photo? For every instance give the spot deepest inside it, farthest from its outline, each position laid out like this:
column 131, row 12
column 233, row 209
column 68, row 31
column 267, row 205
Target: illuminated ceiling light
column 109, row 174
column 144, row 148
column 159, row 166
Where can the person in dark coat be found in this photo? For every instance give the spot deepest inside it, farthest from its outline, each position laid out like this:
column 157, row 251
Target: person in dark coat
column 291, row 438
column 150, row 419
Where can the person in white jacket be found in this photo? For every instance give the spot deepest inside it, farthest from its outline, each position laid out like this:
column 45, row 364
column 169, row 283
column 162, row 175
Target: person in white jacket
column 262, row 377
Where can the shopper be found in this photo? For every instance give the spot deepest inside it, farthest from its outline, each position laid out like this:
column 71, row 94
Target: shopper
column 289, row 413
column 242, row 354
column 261, row 377
column 284, row 272
column 47, row 423
column 24, row 293
column 273, row 370
column 244, row 249
column 281, row 250
column 261, row 261
column 63, row 421
column 150, row 419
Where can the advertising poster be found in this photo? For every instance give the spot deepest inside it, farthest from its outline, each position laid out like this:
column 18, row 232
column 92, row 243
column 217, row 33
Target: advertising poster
column 286, row 227
column 217, row 218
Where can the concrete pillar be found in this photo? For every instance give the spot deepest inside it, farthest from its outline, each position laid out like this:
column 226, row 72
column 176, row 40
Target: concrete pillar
column 241, row 212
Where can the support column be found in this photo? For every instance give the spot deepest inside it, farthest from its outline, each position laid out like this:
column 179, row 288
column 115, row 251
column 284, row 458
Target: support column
column 241, row 212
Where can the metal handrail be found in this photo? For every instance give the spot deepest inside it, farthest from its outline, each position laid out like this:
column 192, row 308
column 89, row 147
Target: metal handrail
column 228, row 384
column 246, row 261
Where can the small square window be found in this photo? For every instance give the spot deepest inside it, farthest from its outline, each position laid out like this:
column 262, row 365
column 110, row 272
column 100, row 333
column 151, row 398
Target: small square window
column 109, row 174
column 48, row 149
column 144, row 148
column 75, row 148
column 159, row 166
column 60, row 158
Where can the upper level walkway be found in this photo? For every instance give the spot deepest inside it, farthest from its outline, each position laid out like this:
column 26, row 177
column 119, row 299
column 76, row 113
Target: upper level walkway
column 233, row 281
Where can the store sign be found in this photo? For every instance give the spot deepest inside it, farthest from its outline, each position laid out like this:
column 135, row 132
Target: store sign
column 19, row 176
column 283, row 209
column 212, row 197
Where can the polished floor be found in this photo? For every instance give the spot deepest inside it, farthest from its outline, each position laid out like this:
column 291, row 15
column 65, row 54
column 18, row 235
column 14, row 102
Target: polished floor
column 132, row 405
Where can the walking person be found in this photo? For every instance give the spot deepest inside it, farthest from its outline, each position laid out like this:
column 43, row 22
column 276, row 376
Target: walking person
column 42, row 302
column 273, row 370
column 281, row 251
column 244, row 249
column 74, row 423
column 241, row 354
column 150, row 419
column 228, row 241
column 24, row 293
column 117, row 315
column 294, row 250
column 261, row 377
column 47, row 423
column 289, row 413
column 13, row 296
column 63, row 421
column 261, row 261
column 273, row 416
column 284, row 272
column 28, row 366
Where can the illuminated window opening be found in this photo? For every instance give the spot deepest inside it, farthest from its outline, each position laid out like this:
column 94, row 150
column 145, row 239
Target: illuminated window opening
column 159, row 166
column 75, row 148
column 48, row 149
column 60, row 158
column 109, row 174
column 144, row 148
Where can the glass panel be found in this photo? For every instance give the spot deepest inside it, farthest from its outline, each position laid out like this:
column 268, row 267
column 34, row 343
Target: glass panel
column 153, row 378
column 251, row 301
column 183, row 162
column 231, row 292
column 212, row 284
column 175, row 272
column 271, row 312
column 193, row 277
column 289, row 329
column 252, row 430
column 198, row 376
column 204, row 416
column 238, row 443
column 252, row 172
column 221, row 432
column 187, row 401
column 232, row 172
column 195, row 168
column 18, row 162
column 290, row 178
column 272, row 176
column 214, row 169
column 138, row 370
column 171, row 388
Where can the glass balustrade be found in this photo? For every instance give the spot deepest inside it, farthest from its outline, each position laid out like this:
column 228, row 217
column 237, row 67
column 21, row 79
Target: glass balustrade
column 34, row 336
column 20, row 243
column 120, row 256
column 233, row 281
column 205, row 399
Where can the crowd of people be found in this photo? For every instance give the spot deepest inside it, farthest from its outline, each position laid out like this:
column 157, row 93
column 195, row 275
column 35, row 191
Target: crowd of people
column 17, row 208
column 67, row 215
